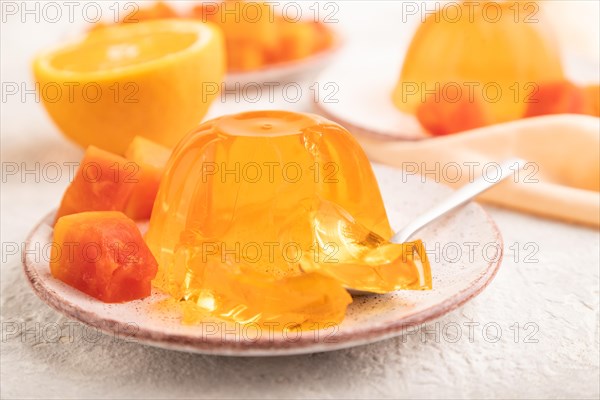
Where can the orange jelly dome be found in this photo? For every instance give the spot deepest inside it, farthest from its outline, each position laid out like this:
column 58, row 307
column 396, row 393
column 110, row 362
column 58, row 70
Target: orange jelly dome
column 493, row 53
column 255, row 209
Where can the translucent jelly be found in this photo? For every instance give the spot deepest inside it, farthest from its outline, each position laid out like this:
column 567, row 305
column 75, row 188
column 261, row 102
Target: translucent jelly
column 268, row 215
column 497, row 62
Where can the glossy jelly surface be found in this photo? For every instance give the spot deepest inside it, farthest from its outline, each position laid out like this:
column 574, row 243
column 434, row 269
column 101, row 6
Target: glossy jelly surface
column 463, row 53
column 269, row 215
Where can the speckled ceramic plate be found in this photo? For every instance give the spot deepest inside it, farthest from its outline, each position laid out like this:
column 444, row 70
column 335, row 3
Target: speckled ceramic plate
column 465, row 250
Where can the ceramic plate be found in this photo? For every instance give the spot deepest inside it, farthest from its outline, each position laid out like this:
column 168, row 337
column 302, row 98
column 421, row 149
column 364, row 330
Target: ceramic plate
column 458, row 275
column 363, row 102
column 364, row 106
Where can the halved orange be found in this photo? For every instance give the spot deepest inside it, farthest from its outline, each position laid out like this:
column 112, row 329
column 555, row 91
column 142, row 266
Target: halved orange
column 155, row 79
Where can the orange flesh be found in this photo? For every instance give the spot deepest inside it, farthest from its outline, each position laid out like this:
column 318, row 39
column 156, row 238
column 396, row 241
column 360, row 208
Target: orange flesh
column 101, row 55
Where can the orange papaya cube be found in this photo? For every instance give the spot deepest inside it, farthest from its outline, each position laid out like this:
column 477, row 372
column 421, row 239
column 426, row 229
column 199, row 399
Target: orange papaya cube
column 159, row 10
column 241, row 21
column 103, row 254
column 560, row 97
column 244, row 56
column 442, row 116
column 206, row 12
column 297, row 40
column 592, row 100
column 149, row 159
column 103, row 182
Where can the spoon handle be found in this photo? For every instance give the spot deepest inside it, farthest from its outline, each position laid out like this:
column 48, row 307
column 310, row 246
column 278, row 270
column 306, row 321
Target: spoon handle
column 456, row 199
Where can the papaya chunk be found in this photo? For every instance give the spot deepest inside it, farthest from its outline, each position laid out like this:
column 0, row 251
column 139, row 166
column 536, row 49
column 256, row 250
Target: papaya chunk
column 103, row 254
column 149, row 159
column 442, row 116
column 108, row 182
column 103, row 182
column 561, row 97
column 592, row 100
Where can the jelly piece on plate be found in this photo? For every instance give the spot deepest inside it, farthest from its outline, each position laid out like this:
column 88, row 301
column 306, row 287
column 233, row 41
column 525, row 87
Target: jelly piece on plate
column 267, row 190
column 236, row 291
column 103, row 254
column 361, row 259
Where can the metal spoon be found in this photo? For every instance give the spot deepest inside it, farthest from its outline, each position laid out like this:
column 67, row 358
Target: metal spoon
column 455, row 200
